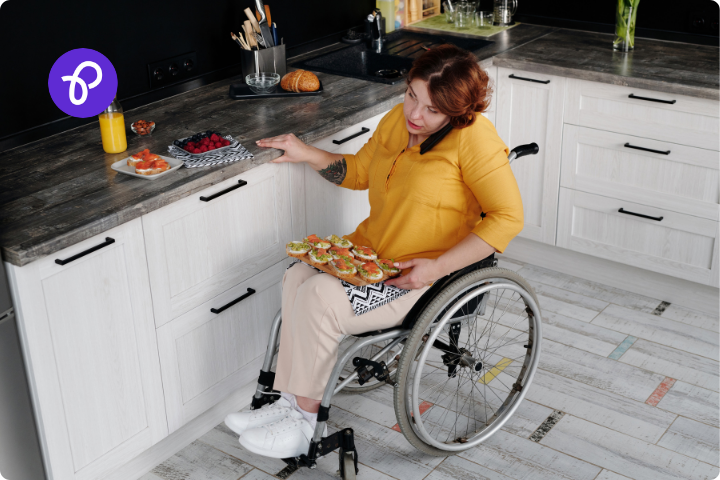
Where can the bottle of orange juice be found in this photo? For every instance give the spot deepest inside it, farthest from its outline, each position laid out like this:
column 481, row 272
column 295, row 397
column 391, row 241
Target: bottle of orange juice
column 112, row 128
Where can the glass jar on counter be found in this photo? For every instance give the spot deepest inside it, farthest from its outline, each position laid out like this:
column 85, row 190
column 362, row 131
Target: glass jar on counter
column 112, row 128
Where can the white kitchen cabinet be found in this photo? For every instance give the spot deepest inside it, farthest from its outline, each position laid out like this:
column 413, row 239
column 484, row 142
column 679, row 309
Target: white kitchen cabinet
column 198, row 249
column 666, row 117
column 330, row 209
column 529, row 108
column 89, row 340
column 206, row 356
column 660, row 174
column 655, row 239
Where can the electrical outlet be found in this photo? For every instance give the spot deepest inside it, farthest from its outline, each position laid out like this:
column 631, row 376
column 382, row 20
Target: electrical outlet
column 172, row 70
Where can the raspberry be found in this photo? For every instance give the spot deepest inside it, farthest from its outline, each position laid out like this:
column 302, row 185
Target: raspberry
column 197, row 150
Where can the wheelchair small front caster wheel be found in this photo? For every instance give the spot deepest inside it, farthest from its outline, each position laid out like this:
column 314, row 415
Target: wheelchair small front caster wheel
column 347, row 465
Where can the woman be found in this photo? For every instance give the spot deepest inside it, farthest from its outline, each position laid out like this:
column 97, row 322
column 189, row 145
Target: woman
column 436, row 207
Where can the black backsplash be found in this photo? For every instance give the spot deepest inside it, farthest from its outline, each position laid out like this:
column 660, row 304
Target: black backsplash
column 694, row 21
column 34, row 33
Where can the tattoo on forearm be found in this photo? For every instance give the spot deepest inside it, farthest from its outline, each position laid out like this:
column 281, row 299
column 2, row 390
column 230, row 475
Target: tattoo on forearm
column 335, row 172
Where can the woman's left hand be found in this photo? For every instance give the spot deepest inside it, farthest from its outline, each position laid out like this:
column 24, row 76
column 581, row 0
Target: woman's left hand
column 424, row 272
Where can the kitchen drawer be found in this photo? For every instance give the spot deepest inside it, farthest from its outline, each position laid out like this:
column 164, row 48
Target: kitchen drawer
column 204, row 356
column 674, row 177
column 198, row 249
column 688, row 121
column 679, row 245
column 355, row 144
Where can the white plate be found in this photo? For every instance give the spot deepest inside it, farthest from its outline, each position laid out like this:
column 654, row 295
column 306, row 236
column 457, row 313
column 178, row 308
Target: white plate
column 122, row 167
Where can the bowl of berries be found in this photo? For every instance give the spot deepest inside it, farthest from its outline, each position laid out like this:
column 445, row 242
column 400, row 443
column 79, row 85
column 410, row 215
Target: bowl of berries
column 206, row 142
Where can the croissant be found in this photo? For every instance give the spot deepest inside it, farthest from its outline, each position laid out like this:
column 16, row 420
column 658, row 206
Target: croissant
column 300, row 81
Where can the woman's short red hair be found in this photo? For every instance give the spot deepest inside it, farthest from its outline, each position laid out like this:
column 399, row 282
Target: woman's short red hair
column 458, row 87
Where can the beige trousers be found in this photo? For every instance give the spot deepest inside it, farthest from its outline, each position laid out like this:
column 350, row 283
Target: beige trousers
column 316, row 313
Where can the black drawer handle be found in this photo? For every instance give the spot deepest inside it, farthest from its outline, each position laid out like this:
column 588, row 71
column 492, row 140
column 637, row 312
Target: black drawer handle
column 512, row 75
column 250, row 291
column 108, row 241
column 227, row 190
column 669, row 102
column 667, row 152
column 657, row 219
column 362, row 131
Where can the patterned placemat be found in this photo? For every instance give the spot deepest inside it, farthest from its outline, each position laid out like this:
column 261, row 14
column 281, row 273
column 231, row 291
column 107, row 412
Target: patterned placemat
column 438, row 22
column 232, row 154
column 368, row 297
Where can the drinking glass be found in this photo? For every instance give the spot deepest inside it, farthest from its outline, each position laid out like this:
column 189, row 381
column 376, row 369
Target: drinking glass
column 483, row 19
column 463, row 16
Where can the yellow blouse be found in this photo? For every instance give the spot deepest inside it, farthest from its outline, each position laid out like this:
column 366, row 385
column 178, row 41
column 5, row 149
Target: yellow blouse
column 423, row 205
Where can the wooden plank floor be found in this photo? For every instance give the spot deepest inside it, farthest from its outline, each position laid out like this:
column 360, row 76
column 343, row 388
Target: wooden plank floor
column 631, row 384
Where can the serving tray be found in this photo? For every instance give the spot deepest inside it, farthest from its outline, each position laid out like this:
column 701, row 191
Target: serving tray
column 241, row 91
column 356, row 280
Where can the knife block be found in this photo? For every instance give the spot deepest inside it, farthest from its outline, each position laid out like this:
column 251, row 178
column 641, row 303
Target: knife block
column 264, row 60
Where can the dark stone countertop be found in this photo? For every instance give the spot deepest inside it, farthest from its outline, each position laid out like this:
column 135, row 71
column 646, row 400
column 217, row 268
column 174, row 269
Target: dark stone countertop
column 60, row 190
column 662, row 66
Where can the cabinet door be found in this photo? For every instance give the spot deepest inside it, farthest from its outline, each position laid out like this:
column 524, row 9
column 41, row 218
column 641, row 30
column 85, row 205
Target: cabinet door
column 206, row 356
column 530, row 110
column 330, row 209
column 90, row 344
column 198, row 249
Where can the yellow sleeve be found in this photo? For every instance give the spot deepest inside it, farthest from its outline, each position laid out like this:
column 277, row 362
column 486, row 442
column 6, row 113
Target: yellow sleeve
column 358, row 165
column 486, row 171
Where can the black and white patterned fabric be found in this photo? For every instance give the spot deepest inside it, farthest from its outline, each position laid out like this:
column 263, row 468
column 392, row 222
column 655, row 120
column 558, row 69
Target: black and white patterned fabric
column 232, row 153
column 369, row 297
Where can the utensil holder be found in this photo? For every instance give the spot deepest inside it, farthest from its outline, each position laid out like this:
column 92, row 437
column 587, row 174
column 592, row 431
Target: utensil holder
column 264, row 60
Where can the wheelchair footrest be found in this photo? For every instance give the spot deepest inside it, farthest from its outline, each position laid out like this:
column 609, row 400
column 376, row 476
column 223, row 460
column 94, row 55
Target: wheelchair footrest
column 343, row 439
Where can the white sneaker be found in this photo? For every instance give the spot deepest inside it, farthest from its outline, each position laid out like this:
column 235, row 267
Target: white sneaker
column 272, row 412
column 286, row 438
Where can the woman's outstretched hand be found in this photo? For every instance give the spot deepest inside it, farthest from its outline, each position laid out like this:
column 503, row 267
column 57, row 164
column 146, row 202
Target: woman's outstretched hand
column 295, row 150
column 424, row 272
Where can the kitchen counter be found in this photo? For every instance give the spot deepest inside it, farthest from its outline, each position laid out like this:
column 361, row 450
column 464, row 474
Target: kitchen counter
column 669, row 67
column 60, row 190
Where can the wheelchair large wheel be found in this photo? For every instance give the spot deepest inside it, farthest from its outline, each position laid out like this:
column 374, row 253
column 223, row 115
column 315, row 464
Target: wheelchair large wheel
column 468, row 362
column 369, row 352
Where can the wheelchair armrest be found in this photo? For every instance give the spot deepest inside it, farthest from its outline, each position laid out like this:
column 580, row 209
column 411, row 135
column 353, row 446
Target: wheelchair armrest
column 438, row 286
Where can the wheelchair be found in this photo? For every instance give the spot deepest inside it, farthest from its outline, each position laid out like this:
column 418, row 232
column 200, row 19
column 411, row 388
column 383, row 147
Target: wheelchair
column 460, row 363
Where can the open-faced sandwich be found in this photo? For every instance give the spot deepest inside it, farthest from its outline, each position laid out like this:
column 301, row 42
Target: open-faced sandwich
column 319, row 256
column 317, row 242
column 339, row 241
column 364, row 253
column 144, row 156
column 370, row 272
column 343, row 268
column 144, row 168
column 337, row 252
column 297, row 248
column 386, row 265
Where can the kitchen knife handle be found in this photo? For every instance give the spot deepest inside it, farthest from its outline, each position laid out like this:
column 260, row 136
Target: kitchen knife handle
column 241, row 183
column 108, row 241
column 250, row 291
column 261, row 10
column 657, row 219
column 362, row 130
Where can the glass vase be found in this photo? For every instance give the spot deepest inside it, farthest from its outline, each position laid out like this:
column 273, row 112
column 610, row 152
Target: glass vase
column 625, row 16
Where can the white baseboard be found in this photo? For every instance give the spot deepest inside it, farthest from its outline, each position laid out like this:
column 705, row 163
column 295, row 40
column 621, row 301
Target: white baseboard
column 181, row 438
column 680, row 292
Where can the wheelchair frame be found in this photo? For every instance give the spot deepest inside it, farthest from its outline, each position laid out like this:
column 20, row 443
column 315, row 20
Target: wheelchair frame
column 344, row 438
